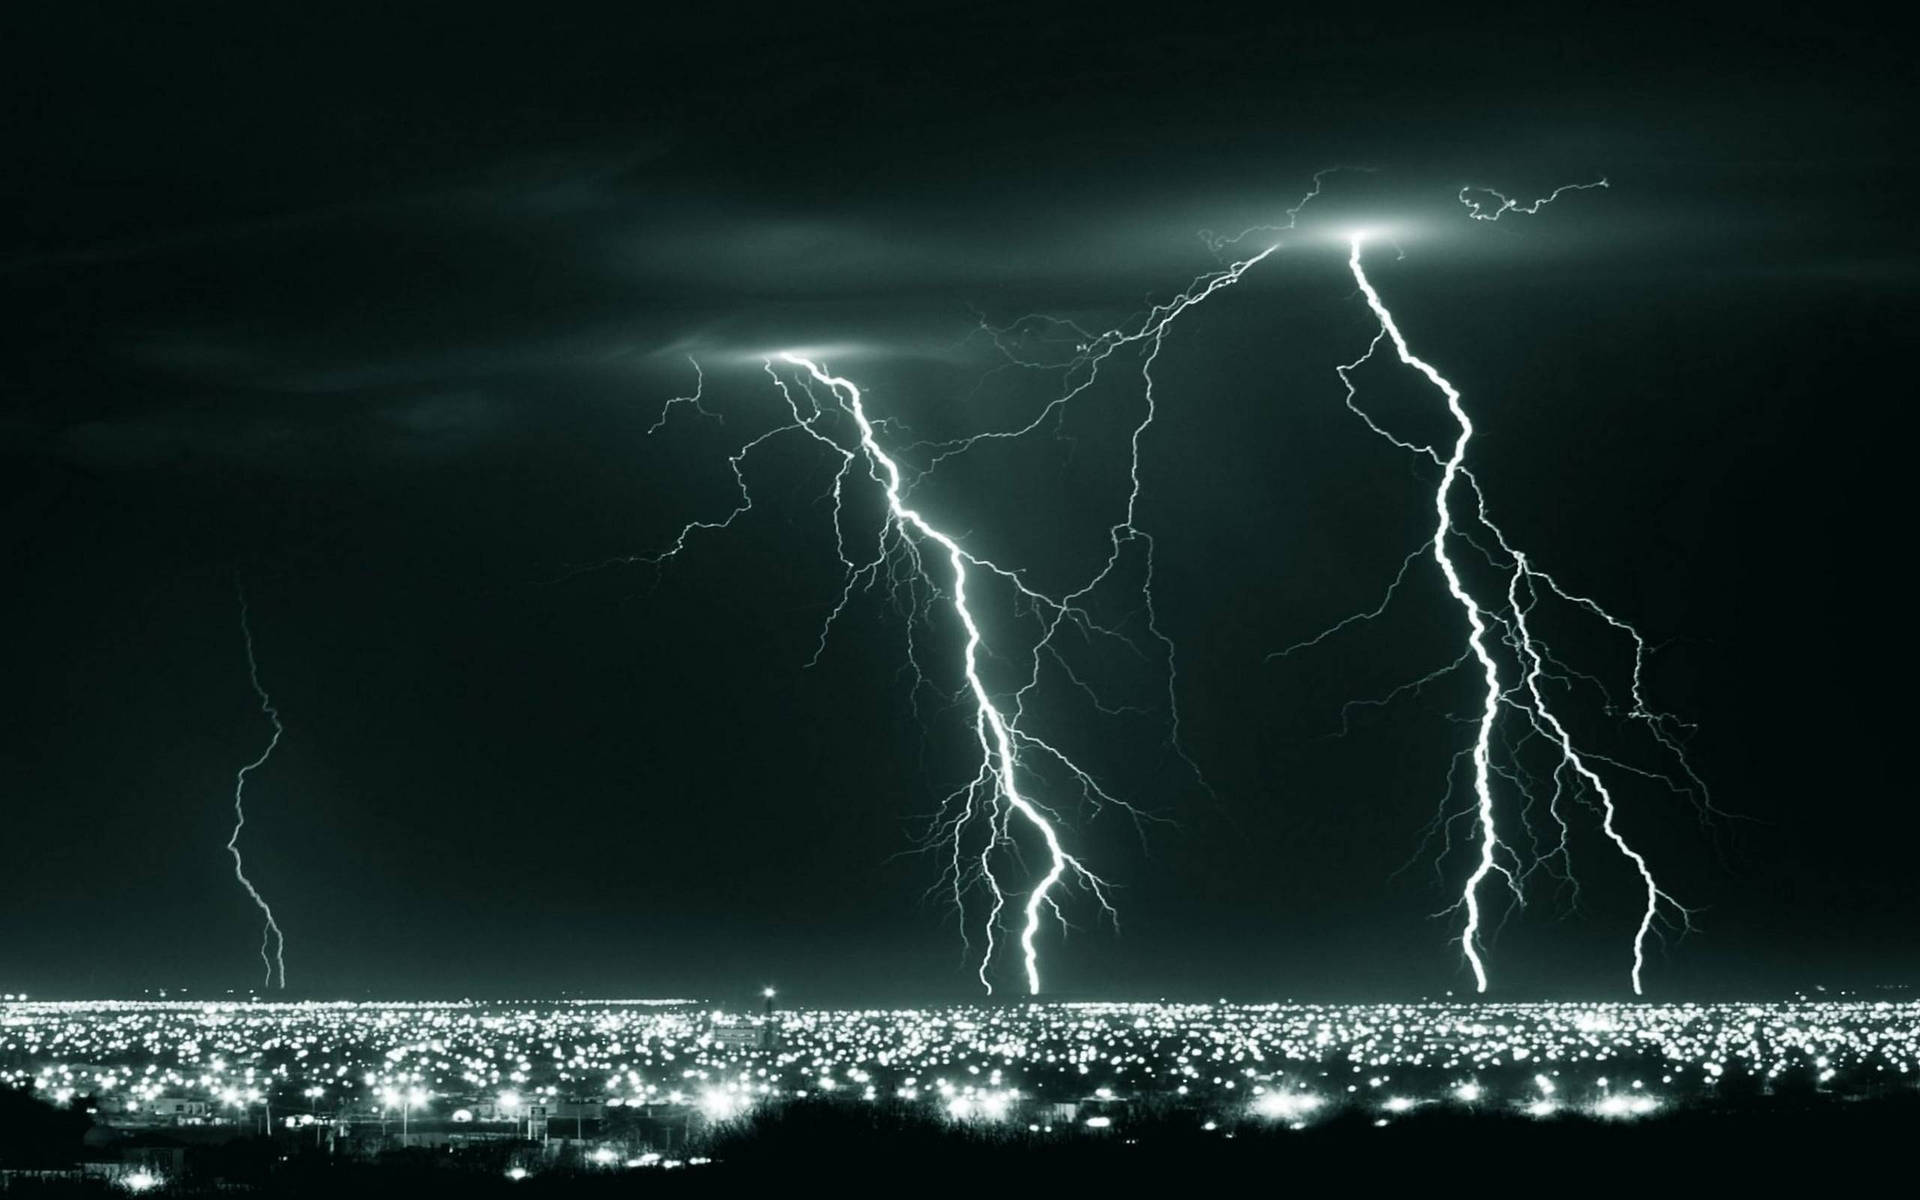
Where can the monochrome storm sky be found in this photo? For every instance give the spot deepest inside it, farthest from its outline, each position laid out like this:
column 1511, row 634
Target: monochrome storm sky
column 378, row 314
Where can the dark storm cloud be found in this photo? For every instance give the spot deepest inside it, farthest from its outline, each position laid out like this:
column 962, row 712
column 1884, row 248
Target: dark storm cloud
column 317, row 442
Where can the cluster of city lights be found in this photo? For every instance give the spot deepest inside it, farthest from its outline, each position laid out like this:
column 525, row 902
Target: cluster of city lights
column 1037, row 1064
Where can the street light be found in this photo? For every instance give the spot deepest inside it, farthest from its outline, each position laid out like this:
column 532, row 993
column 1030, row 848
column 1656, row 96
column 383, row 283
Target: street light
column 414, row 1096
column 313, row 1095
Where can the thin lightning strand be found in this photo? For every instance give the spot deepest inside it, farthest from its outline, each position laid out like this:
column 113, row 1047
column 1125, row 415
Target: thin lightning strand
column 271, row 935
column 1480, row 210
column 699, row 386
column 1080, row 373
column 1217, row 242
column 1572, row 757
column 1476, row 638
column 990, row 722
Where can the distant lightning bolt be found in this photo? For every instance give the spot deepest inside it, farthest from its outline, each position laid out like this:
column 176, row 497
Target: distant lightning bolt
column 693, row 401
column 270, row 937
column 1480, row 210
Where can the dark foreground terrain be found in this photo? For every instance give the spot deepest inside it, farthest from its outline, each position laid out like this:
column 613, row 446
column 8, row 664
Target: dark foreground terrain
column 1771, row 1141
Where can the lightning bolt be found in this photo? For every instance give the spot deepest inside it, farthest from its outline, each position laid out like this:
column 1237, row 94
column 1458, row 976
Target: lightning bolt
column 1480, row 210
column 270, row 936
column 996, row 732
column 1534, row 669
column 693, row 401
column 996, row 728
column 1476, row 623
column 999, row 797
column 1218, row 242
column 1522, row 594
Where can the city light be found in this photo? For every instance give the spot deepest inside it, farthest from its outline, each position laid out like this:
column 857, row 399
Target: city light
column 1287, row 1105
column 1224, row 1062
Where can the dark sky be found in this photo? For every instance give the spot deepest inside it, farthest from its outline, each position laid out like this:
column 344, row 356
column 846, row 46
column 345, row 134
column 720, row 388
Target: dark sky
column 377, row 311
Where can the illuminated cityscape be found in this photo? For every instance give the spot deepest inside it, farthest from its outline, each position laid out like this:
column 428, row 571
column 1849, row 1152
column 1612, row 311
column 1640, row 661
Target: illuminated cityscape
column 1049, row 1067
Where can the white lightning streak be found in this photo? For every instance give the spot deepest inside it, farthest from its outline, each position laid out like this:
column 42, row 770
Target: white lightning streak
column 271, row 935
column 1216, row 242
column 1001, row 748
column 1479, row 210
column 1572, row 758
column 699, row 387
column 1534, row 660
column 1476, row 638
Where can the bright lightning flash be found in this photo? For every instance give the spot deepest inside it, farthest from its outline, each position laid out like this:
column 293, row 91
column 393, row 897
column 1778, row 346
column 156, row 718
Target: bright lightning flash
column 1477, row 626
column 998, row 739
column 271, row 939
column 1522, row 594
column 1000, row 796
column 1000, row 793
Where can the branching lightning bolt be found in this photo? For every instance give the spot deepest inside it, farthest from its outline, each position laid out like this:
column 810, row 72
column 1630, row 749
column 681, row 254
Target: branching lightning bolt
column 999, row 797
column 999, row 794
column 1518, row 606
column 1510, row 622
column 693, row 401
column 270, row 938
column 1476, row 623
column 996, row 796
column 999, row 741
column 1003, row 742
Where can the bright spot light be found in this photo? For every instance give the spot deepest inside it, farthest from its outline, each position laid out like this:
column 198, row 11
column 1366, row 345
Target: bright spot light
column 1282, row 1105
column 1099, row 1122
column 1626, row 1106
column 1398, row 1104
column 141, row 1181
column 719, row 1105
column 516, row 1173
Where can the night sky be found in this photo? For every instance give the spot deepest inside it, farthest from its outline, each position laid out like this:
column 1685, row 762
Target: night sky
column 376, row 313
